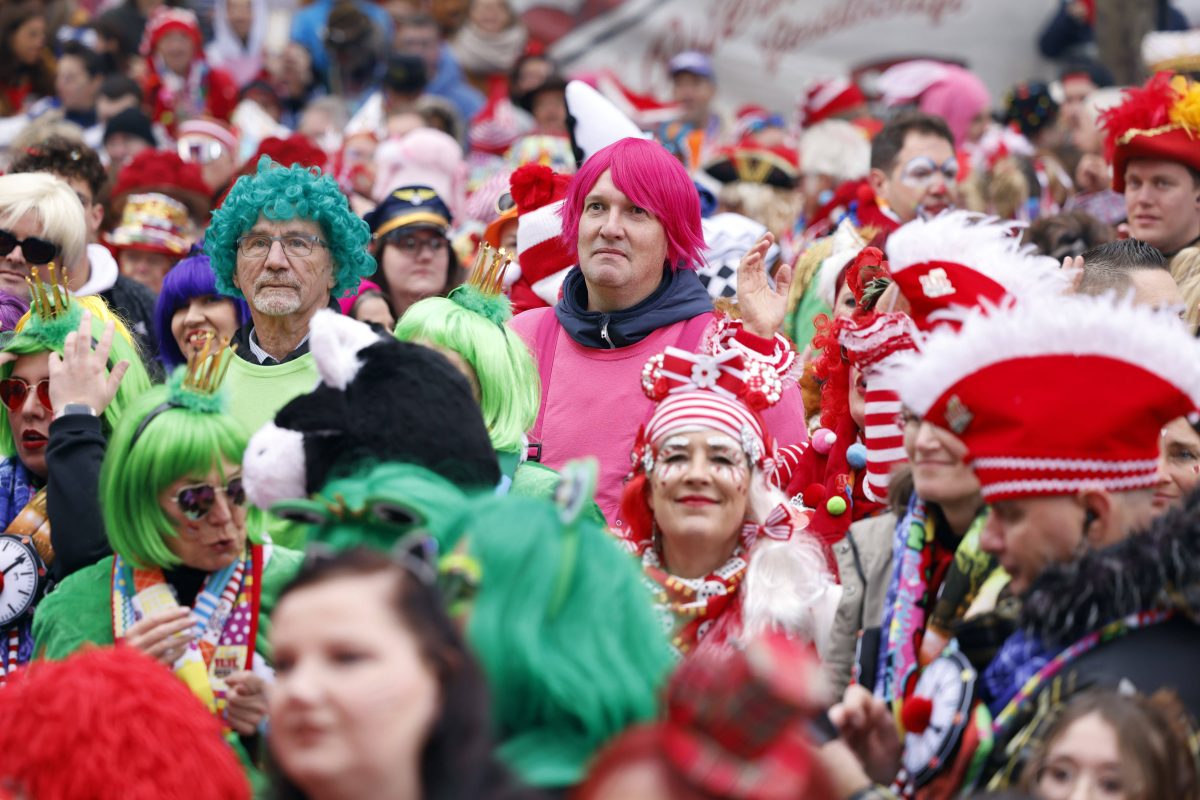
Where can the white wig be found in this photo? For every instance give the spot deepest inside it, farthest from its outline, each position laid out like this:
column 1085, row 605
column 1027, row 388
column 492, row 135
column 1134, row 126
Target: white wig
column 57, row 207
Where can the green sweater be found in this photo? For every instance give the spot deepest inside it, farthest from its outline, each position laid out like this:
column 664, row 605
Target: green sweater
column 257, row 392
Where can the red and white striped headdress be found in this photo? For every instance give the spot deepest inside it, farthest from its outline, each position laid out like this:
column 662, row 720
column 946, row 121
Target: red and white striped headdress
column 1055, row 395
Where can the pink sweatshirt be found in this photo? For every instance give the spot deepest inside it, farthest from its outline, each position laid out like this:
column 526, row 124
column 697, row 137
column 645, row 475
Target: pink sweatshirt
column 596, row 404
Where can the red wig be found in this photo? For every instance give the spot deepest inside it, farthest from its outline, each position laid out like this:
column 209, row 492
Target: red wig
column 651, row 178
column 112, row 724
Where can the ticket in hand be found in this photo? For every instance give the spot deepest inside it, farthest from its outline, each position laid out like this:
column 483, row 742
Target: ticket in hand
column 155, row 599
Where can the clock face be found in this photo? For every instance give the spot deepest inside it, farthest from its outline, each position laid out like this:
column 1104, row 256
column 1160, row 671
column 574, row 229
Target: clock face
column 949, row 684
column 21, row 573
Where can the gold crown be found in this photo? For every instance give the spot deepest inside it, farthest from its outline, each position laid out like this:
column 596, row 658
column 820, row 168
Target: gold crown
column 205, row 372
column 40, row 300
column 487, row 274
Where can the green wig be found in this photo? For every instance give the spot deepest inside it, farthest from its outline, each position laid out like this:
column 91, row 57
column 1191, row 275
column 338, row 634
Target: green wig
column 168, row 433
column 37, row 335
column 281, row 193
column 377, row 506
column 566, row 633
column 509, row 387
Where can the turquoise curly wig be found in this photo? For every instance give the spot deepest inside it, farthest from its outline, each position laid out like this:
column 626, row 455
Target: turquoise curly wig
column 282, row 193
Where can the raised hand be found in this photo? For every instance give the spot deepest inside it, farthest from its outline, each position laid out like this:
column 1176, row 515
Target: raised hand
column 81, row 374
column 763, row 309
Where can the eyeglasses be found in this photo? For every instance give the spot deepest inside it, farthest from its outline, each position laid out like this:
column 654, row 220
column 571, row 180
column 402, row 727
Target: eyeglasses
column 197, row 501
column 199, row 149
column 35, row 251
column 921, row 172
column 296, row 245
column 14, row 391
column 412, row 245
column 505, row 202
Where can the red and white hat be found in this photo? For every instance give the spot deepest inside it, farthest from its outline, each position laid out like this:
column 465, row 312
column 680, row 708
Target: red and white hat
column 955, row 262
column 539, row 193
column 1055, row 395
column 824, row 97
column 698, row 391
column 166, row 20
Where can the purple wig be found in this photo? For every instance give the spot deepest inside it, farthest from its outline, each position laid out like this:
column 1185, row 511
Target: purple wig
column 651, row 178
column 12, row 308
column 190, row 278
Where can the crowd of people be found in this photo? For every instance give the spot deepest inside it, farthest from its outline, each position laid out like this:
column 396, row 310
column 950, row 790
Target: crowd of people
column 389, row 412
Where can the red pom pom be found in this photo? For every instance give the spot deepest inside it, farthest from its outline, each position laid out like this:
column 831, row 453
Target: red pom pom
column 865, row 194
column 814, row 495
column 757, row 400
column 916, row 713
column 660, row 388
column 532, row 186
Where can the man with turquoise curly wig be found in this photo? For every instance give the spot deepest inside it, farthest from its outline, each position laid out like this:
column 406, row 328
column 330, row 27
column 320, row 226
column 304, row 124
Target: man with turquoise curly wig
column 286, row 240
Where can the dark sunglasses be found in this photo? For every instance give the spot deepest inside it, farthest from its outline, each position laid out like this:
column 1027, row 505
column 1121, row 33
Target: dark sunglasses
column 196, row 501
column 14, row 391
column 36, row 251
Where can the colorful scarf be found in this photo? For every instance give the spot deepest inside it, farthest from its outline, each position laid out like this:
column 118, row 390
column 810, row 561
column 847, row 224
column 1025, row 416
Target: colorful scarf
column 227, row 620
column 693, row 608
column 16, row 494
column 910, row 599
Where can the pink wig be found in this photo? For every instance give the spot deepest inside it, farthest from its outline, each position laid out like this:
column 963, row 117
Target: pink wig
column 958, row 98
column 651, row 178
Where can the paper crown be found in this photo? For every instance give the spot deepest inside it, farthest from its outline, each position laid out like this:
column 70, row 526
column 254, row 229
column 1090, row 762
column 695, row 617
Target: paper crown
column 482, row 292
column 206, row 370
column 959, row 260
column 1055, row 395
column 152, row 222
column 48, row 305
column 1160, row 120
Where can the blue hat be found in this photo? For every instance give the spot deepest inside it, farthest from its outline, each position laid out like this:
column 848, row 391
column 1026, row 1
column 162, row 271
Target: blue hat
column 694, row 62
column 409, row 207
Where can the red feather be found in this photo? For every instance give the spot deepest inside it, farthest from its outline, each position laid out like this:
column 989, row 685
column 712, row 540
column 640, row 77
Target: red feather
column 1145, row 107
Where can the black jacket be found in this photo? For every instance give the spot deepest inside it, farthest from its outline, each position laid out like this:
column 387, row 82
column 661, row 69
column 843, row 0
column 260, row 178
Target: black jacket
column 73, row 459
column 135, row 304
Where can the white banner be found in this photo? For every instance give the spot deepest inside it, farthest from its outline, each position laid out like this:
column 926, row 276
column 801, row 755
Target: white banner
column 765, row 51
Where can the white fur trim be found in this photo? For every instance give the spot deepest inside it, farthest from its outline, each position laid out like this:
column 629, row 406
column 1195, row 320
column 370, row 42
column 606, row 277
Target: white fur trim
column 335, row 341
column 273, row 466
column 598, row 122
column 1076, row 325
column 984, row 244
column 837, row 148
column 547, row 288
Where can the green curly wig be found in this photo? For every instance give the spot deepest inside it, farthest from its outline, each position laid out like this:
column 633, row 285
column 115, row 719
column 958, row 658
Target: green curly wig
column 282, row 193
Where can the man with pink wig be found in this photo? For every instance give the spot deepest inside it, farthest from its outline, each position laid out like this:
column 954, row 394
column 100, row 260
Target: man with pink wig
column 632, row 215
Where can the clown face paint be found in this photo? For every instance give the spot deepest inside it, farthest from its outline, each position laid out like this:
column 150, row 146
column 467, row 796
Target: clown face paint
column 699, row 492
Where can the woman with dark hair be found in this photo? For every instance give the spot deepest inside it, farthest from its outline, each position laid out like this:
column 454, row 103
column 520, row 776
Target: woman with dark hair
column 409, row 242
column 376, row 696
column 27, row 70
column 190, row 311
